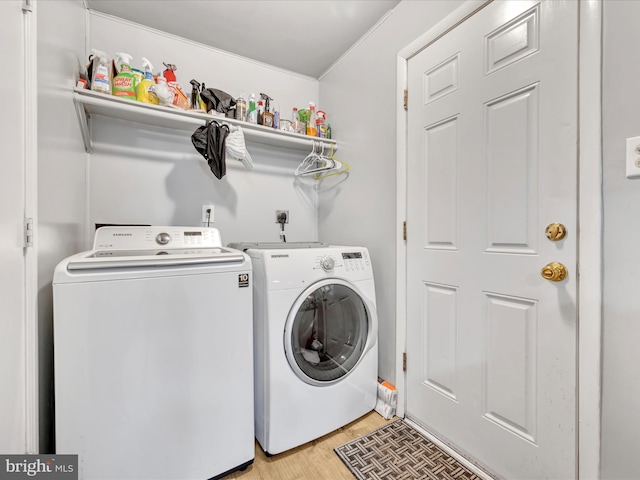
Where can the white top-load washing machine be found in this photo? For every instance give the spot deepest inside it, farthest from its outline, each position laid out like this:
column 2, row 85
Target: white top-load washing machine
column 154, row 355
column 315, row 336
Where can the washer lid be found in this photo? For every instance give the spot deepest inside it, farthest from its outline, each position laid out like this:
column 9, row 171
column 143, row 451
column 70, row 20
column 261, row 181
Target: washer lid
column 142, row 246
column 100, row 259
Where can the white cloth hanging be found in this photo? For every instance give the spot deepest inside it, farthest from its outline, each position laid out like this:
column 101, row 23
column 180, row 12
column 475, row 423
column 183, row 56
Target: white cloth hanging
column 236, row 148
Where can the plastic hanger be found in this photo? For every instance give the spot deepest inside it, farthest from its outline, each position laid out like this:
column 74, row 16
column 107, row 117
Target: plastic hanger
column 315, row 162
column 339, row 167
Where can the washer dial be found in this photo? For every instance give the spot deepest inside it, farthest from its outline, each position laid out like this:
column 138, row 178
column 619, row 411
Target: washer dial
column 163, row 238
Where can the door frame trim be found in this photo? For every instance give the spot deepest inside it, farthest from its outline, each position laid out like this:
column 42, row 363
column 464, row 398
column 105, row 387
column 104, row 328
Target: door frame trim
column 31, row 326
column 590, row 221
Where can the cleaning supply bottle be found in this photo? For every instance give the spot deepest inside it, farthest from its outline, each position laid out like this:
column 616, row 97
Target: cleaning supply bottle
column 124, row 83
column 100, row 72
column 146, row 88
column 296, row 124
column 267, row 115
column 168, row 72
column 241, row 109
column 260, row 111
column 203, row 104
column 311, row 122
column 195, row 94
column 321, row 128
column 252, row 113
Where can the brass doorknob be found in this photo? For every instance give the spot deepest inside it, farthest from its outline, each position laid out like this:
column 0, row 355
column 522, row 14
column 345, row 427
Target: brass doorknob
column 555, row 231
column 554, row 271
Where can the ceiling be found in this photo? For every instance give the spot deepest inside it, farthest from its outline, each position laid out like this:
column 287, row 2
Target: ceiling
column 304, row 36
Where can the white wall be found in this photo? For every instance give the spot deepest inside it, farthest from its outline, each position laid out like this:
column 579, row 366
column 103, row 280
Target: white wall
column 61, row 172
column 137, row 186
column 621, row 372
column 359, row 96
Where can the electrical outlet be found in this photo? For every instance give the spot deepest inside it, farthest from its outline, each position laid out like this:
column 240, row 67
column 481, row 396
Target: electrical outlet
column 282, row 212
column 207, row 216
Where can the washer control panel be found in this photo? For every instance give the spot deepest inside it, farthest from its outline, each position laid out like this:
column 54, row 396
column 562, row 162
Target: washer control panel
column 140, row 238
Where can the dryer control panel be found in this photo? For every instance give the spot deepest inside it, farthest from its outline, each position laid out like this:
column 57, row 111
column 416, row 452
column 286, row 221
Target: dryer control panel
column 299, row 267
column 355, row 261
column 345, row 261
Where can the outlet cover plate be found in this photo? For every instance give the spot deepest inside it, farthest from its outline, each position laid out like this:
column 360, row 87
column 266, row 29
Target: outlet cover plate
column 278, row 212
column 205, row 216
column 633, row 157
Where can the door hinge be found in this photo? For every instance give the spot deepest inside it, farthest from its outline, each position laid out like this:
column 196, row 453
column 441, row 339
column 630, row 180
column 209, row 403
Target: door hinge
column 406, row 99
column 404, row 361
column 28, row 232
column 404, row 230
column 26, row 6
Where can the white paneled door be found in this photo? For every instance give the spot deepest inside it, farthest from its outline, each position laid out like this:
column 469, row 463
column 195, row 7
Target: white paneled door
column 491, row 343
column 12, row 260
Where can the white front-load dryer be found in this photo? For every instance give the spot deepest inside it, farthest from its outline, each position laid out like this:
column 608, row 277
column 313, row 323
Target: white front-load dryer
column 315, row 338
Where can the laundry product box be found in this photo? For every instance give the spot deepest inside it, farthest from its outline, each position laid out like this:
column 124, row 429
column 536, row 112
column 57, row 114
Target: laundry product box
column 387, row 399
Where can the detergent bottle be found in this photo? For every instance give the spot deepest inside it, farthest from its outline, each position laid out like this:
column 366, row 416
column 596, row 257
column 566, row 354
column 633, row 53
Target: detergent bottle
column 124, row 83
column 146, row 88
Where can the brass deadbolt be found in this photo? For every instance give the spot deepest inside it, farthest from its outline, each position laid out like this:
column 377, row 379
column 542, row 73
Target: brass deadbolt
column 554, row 271
column 555, row 231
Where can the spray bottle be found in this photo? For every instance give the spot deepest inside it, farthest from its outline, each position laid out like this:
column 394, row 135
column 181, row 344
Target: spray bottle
column 195, row 95
column 146, row 88
column 100, row 72
column 124, row 82
column 168, row 72
column 203, row 104
column 267, row 115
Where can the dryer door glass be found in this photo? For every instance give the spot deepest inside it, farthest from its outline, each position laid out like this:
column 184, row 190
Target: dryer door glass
column 329, row 333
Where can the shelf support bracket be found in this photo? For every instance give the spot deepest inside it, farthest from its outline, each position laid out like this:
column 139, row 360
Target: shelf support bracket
column 85, row 126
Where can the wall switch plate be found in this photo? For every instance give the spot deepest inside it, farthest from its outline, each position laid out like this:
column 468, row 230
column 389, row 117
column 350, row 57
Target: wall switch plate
column 633, row 157
column 206, row 217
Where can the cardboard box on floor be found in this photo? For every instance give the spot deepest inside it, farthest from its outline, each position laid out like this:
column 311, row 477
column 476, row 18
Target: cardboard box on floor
column 387, row 399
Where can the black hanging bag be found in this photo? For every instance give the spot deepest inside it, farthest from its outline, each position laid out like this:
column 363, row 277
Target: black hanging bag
column 209, row 141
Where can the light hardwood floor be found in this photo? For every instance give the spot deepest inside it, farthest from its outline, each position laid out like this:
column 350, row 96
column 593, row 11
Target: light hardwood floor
column 314, row 460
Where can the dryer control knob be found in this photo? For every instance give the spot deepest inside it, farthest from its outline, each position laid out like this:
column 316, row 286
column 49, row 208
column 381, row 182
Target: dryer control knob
column 327, row 263
column 163, row 238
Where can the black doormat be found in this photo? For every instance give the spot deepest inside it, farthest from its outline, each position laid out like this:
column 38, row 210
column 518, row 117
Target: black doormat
column 396, row 451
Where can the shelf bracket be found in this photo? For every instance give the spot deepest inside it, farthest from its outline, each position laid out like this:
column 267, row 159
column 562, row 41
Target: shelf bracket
column 85, row 126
